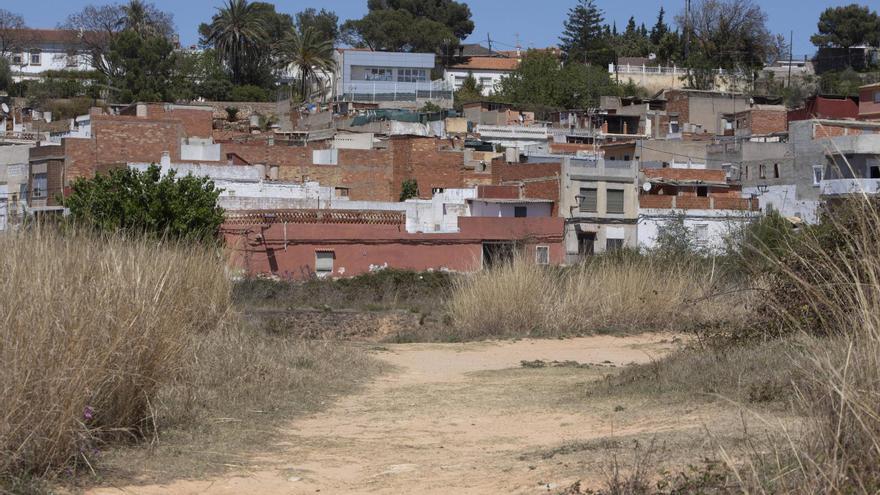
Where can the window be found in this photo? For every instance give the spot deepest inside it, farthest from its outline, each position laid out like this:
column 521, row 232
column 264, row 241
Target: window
column 588, row 200
column 486, row 82
column 876, row 96
column 542, row 255
column 614, row 203
column 411, row 75
column 23, row 192
column 586, row 243
column 36, row 58
column 17, row 59
column 775, row 170
column 324, row 263
column 613, row 244
column 520, row 211
column 72, row 60
column 341, row 192
column 762, row 171
column 626, row 158
column 41, row 183
column 817, row 174
column 437, row 190
column 874, row 172
column 702, row 191
column 377, row 74
column 747, row 172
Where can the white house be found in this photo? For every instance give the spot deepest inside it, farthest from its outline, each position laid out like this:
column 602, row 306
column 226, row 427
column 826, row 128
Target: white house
column 32, row 52
column 488, row 71
column 389, row 78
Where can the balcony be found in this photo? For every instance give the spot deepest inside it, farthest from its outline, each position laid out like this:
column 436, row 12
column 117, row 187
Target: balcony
column 839, row 187
column 656, row 201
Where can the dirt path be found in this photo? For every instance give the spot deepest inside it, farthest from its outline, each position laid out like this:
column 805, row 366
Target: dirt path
column 458, row 418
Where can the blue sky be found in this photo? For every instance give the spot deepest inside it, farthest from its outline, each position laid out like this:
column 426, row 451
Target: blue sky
column 538, row 23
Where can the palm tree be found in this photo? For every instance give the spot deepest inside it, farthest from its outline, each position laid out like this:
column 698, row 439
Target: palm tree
column 311, row 54
column 238, row 34
column 144, row 19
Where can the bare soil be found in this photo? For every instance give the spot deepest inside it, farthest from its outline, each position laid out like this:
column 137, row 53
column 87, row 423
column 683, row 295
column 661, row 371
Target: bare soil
column 470, row 418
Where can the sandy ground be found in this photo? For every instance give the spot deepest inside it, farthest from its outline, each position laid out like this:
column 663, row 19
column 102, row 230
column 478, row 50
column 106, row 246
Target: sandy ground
column 464, row 418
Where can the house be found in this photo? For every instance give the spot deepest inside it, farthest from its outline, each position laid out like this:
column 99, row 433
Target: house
column 391, row 79
column 709, row 205
column 496, row 113
column 826, row 107
column 480, row 227
column 488, row 72
column 700, row 112
column 599, row 201
column 758, row 120
column 34, row 52
column 869, row 102
column 14, row 161
column 852, row 157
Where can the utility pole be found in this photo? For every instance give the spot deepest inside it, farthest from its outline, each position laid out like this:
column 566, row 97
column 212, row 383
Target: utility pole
column 687, row 30
column 489, row 40
column 790, row 48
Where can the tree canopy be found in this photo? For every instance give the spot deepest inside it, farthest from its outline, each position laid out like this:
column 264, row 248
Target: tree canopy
column 585, row 37
column 410, row 25
column 542, row 81
column 147, row 203
column 847, row 26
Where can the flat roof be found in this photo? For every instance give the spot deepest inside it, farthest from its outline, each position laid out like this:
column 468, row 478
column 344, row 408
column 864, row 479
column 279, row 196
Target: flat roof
column 510, row 200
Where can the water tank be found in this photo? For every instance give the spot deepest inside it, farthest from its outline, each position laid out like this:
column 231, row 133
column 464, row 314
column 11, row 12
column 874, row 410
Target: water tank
column 262, row 171
column 273, row 172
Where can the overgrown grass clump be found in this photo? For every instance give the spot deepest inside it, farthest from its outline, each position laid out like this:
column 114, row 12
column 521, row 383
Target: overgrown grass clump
column 92, row 328
column 628, row 292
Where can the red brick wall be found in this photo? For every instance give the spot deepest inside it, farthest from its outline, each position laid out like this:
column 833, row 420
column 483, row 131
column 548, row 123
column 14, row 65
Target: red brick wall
column 196, row 123
column 867, row 108
column 685, row 174
column 430, row 161
column 768, row 121
column 498, row 192
column 539, row 180
column 356, row 247
column 677, row 102
column 826, row 131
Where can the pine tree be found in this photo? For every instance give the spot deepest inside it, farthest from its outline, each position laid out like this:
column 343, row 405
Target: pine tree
column 583, row 38
column 631, row 27
column 659, row 29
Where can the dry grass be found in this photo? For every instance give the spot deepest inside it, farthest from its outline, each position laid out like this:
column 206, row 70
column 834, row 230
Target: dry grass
column 92, row 327
column 630, row 293
column 108, row 341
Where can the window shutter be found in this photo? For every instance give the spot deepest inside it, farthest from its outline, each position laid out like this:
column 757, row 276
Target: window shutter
column 589, row 200
column 615, row 201
column 323, row 262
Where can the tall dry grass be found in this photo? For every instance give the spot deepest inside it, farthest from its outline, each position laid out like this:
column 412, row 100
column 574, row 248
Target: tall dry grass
column 629, row 292
column 830, row 292
column 92, row 327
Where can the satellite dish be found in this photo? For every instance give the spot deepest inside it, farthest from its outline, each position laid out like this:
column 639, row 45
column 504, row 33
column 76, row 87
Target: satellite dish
column 4, row 107
column 647, row 186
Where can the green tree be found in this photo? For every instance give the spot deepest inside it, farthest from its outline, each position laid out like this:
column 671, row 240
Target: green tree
column 410, row 25
column 633, row 43
column 541, row 80
column 660, row 29
column 409, row 189
column 239, row 35
column 311, row 53
column 846, row 27
column 324, row 22
column 102, row 24
column 584, row 36
column 143, row 68
column 5, row 75
column 469, row 91
column 147, row 203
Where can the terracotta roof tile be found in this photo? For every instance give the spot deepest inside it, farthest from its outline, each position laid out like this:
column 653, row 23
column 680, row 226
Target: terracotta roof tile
column 487, row 63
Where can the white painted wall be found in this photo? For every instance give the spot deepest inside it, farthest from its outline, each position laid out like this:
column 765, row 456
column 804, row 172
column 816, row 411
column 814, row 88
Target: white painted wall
column 719, row 224
column 784, row 200
column 506, row 210
column 200, row 150
column 488, row 78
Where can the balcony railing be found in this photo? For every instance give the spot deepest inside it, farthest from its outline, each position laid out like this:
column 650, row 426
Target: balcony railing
column 698, row 202
column 838, row 187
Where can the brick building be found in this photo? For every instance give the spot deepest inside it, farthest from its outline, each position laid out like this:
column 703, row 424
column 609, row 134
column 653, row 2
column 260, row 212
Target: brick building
column 708, row 204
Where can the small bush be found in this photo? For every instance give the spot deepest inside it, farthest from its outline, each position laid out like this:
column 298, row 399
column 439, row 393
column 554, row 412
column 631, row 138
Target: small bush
column 247, row 93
